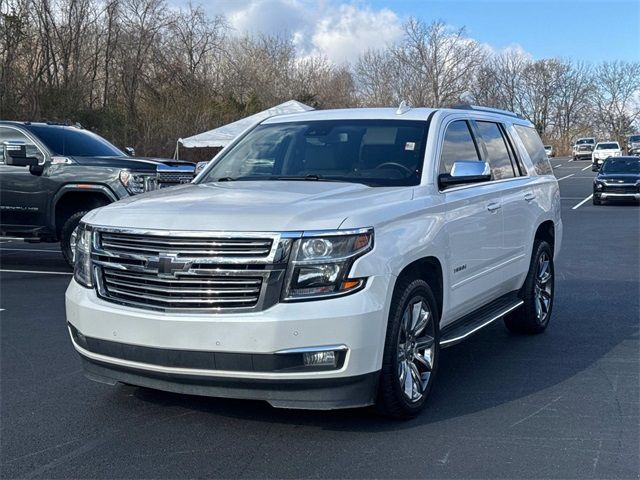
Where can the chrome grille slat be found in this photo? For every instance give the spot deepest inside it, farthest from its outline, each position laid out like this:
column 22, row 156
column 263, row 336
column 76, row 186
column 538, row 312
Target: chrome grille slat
column 190, row 279
column 182, row 291
column 185, row 251
column 210, row 301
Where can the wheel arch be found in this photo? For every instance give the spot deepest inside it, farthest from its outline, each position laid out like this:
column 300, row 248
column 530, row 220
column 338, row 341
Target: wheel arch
column 430, row 270
column 546, row 231
column 73, row 198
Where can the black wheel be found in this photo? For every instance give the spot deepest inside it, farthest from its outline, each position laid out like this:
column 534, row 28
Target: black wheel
column 68, row 236
column 596, row 200
column 537, row 293
column 411, row 350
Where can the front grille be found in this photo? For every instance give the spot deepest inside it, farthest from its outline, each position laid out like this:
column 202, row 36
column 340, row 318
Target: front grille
column 186, row 246
column 188, row 291
column 182, row 272
column 620, row 189
column 174, row 177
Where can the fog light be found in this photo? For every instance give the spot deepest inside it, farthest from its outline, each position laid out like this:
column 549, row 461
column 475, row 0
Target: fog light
column 317, row 359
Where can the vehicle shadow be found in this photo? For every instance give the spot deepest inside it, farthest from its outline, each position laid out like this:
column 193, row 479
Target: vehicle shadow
column 491, row 368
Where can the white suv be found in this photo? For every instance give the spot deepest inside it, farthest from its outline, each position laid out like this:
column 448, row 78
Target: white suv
column 323, row 259
column 603, row 151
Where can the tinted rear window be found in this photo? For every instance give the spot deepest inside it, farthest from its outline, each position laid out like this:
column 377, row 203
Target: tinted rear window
column 607, row 146
column 73, row 141
column 535, row 149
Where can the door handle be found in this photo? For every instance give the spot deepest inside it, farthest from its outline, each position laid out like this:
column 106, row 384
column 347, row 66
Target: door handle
column 492, row 207
column 529, row 196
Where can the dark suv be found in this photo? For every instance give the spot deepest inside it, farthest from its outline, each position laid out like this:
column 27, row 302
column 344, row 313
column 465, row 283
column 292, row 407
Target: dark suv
column 51, row 175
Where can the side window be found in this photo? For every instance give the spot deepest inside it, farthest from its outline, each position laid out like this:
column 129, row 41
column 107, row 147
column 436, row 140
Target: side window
column 13, row 135
column 497, row 150
column 458, row 145
column 535, row 149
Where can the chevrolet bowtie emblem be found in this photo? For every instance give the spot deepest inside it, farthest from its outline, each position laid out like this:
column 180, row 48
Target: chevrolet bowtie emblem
column 168, row 265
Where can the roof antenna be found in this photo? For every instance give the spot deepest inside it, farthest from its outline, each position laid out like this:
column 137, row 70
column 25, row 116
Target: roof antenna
column 404, row 107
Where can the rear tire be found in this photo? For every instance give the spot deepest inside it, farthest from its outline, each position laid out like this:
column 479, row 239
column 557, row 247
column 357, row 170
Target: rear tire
column 537, row 293
column 67, row 242
column 411, row 351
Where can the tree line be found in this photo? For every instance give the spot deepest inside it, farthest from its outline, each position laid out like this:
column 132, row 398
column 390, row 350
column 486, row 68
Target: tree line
column 143, row 74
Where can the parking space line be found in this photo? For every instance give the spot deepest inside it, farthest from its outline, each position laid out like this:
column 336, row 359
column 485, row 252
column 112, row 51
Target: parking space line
column 582, row 202
column 2, row 249
column 558, row 166
column 8, row 270
column 586, row 168
column 571, row 175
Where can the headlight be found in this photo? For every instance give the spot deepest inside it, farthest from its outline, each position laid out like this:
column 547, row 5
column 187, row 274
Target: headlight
column 136, row 183
column 320, row 265
column 599, row 186
column 82, row 267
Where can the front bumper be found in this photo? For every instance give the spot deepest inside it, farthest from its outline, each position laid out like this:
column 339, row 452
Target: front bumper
column 621, row 196
column 357, row 322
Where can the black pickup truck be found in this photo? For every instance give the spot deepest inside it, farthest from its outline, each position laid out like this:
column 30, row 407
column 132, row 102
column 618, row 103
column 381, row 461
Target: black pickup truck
column 51, row 175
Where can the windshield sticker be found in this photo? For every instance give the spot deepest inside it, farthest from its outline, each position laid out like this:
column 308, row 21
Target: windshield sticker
column 410, row 146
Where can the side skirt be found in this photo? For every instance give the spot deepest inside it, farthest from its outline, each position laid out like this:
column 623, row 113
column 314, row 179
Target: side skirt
column 478, row 319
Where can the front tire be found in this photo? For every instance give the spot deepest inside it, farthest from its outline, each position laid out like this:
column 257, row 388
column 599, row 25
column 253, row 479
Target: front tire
column 596, row 200
column 68, row 236
column 537, row 293
column 411, row 351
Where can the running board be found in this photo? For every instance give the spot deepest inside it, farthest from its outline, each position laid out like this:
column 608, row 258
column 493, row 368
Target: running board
column 474, row 321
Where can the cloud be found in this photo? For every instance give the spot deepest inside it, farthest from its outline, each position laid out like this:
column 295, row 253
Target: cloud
column 338, row 29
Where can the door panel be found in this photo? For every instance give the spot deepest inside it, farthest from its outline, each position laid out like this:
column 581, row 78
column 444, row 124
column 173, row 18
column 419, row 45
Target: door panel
column 23, row 195
column 474, row 221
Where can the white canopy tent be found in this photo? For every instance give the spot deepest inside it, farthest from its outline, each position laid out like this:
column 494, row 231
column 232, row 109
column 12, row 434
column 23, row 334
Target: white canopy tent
column 222, row 136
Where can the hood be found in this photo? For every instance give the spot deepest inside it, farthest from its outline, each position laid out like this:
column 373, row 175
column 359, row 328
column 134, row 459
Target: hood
column 619, row 177
column 248, row 206
column 131, row 163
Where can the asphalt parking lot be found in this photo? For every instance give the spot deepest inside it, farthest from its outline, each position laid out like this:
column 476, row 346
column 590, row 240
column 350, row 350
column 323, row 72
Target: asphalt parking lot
column 564, row 404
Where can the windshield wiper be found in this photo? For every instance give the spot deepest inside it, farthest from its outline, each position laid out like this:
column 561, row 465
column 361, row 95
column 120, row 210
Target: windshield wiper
column 311, row 177
column 225, row 179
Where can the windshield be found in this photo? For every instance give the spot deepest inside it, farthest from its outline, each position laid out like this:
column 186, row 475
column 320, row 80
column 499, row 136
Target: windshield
column 621, row 165
column 73, row 141
column 634, row 138
column 548, row 147
column 583, row 141
column 607, row 146
column 373, row 152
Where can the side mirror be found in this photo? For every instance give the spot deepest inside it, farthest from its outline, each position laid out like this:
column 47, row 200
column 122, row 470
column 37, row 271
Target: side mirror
column 466, row 171
column 15, row 153
column 201, row 166
column 130, row 151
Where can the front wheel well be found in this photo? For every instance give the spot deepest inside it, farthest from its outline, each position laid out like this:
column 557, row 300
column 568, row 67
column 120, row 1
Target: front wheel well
column 72, row 202
column 430, row 270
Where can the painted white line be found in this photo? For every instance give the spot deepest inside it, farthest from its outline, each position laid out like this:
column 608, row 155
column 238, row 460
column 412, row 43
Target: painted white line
column 2, row 249
column 582, row 202
column 558, row 166
column 586, row 168
column 2, row 309
column 571, row 175
column 34, row 271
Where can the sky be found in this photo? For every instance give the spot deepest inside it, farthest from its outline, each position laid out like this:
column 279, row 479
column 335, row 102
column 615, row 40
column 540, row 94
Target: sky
column 587, row 30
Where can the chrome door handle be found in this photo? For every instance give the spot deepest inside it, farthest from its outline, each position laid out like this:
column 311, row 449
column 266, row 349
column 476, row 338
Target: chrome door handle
column 492, row 207
column 529, row 197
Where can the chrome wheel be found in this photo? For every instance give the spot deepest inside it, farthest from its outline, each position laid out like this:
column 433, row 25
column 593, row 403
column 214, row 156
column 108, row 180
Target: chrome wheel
column 543, row 288
column 73, row 241
column 416, row 346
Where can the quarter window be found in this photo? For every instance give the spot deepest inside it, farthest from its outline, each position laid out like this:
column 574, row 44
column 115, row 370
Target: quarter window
column 498, row 154
column 458, row 145
column 535, row 149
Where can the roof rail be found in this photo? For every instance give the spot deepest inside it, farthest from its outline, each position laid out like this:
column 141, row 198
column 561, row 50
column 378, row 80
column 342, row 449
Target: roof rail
column 480, row 108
